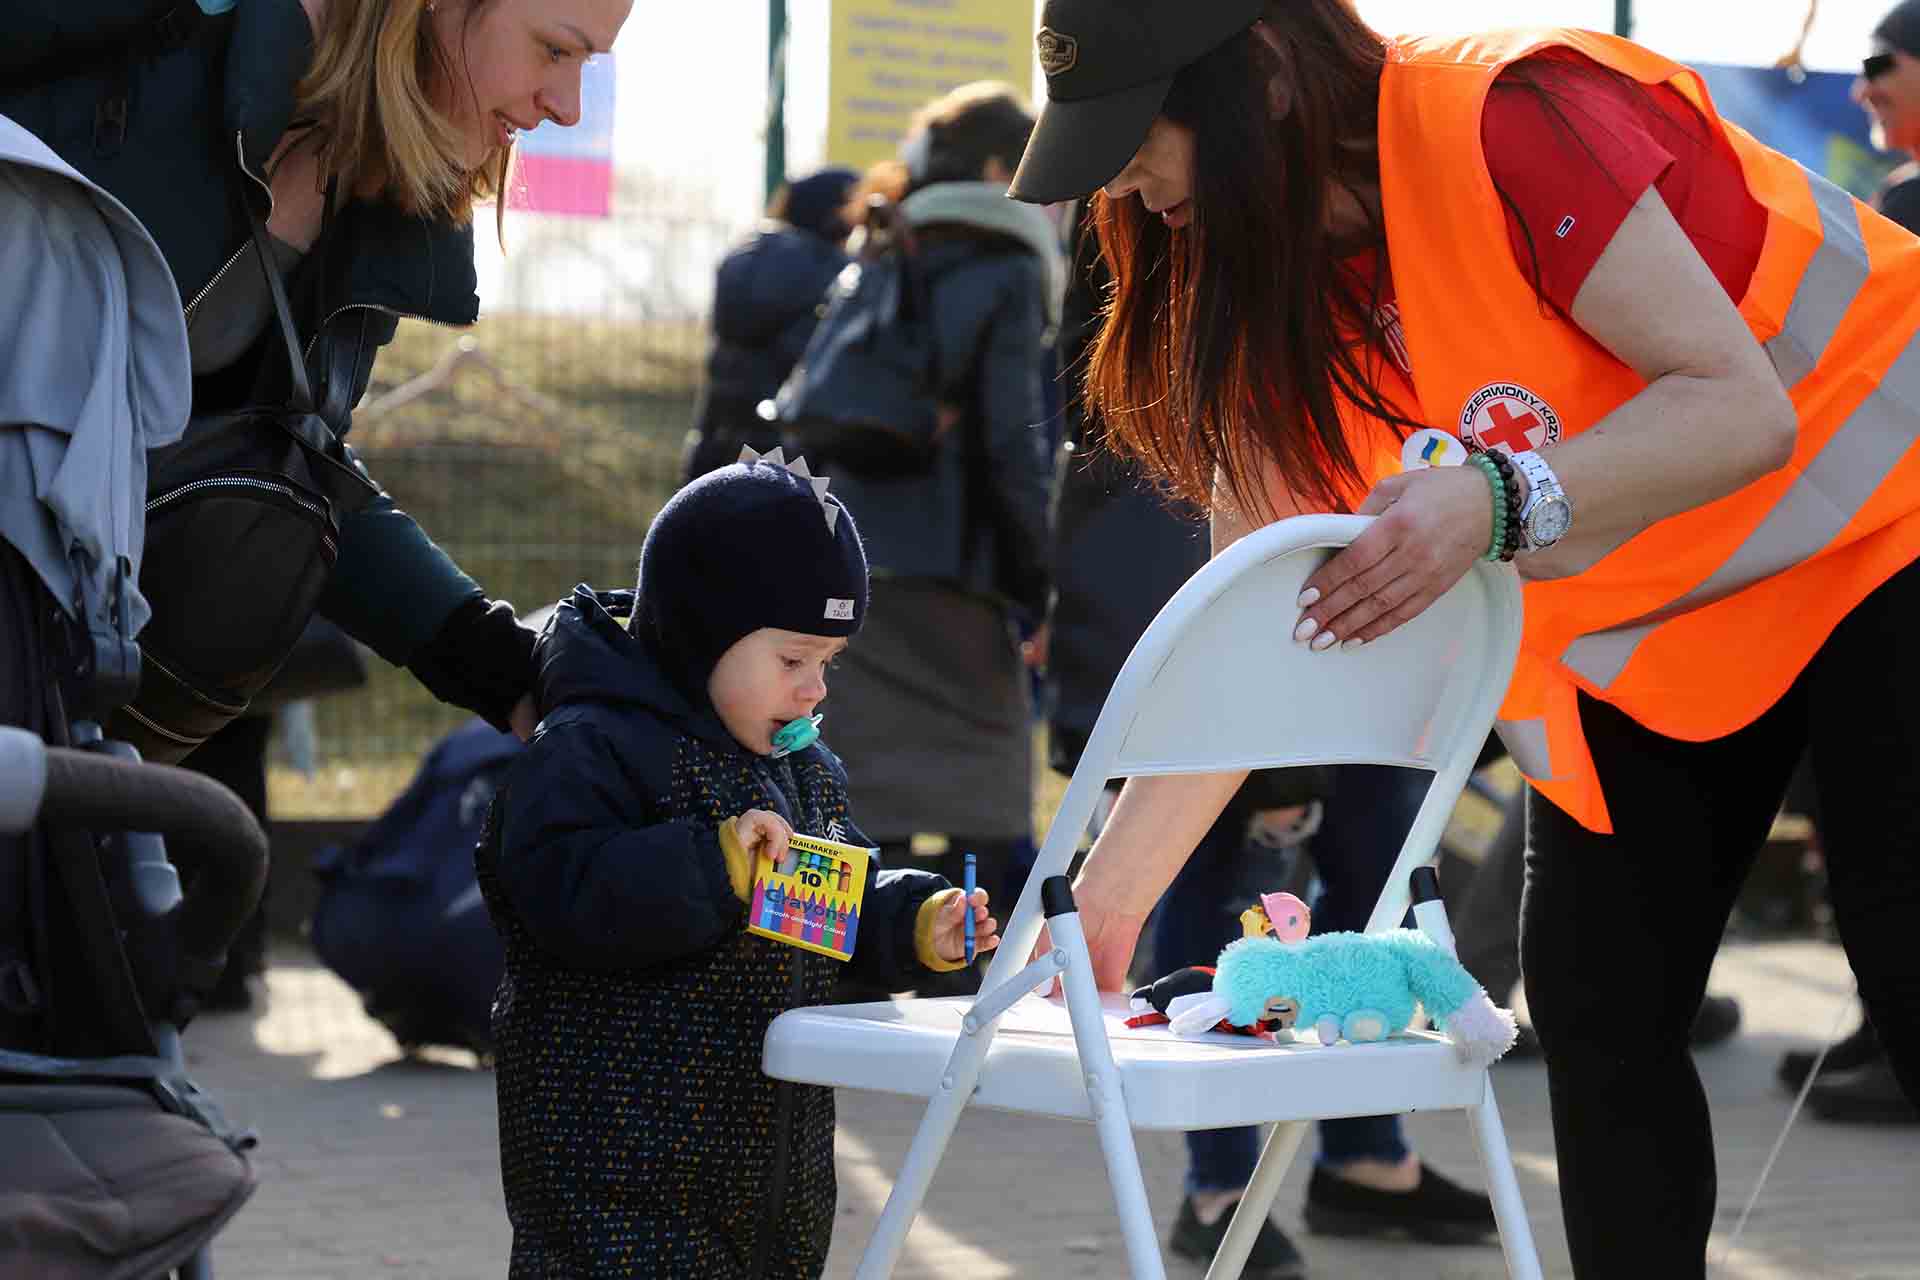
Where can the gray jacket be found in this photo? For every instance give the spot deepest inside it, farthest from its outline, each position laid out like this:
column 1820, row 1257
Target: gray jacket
column 93, row 373
column 978, row 518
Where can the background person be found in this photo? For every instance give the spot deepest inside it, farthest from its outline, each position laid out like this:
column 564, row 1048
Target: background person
column 766, row 302
column 1856, row 1081
column 933, row 711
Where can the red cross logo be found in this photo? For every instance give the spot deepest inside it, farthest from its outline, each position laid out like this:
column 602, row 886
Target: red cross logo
column 1507, row 429
column 1506, row 415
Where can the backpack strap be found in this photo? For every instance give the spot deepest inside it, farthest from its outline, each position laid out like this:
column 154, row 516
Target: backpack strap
column 302, row 393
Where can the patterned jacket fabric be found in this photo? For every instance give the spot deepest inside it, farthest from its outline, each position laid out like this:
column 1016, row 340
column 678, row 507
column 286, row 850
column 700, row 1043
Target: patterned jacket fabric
column 638, row 1136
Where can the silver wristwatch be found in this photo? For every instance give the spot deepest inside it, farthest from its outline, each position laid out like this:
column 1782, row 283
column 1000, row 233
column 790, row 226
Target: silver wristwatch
column 1547, row 514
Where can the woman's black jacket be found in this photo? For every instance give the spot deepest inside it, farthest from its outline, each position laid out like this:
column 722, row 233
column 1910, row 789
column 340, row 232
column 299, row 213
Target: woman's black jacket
column 161, row 104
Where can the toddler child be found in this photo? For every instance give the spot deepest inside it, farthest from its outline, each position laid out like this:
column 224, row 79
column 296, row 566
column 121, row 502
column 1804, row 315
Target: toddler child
column 638, row 1136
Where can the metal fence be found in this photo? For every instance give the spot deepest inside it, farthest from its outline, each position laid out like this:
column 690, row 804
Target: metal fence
column 534, row 449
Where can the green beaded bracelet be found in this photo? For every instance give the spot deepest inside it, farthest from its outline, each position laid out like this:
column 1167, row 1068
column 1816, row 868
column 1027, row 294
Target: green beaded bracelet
column 1498, row 486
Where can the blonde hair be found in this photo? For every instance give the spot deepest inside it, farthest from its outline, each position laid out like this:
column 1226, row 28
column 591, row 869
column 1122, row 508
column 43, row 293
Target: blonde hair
column 366, row 93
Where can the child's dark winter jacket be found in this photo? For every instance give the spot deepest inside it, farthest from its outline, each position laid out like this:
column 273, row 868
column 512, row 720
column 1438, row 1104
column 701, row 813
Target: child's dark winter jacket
column 638, row 1136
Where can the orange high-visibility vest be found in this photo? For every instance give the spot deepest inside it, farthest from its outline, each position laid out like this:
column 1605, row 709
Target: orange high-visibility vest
column 1700, row 623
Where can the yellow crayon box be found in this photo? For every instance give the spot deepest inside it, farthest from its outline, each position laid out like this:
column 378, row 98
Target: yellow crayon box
column 811, row 898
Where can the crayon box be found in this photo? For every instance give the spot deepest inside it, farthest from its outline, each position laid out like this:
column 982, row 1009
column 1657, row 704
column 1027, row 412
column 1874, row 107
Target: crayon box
column 811, row 898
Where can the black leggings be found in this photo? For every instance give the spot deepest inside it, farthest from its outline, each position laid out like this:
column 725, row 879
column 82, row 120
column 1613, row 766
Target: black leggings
column 1618, row 931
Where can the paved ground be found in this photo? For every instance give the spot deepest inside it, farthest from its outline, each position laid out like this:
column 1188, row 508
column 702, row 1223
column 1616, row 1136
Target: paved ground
column 372, row 1165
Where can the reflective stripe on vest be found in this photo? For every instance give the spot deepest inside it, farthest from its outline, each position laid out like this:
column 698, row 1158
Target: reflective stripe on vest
column 1828, row 288
column 1526, row 741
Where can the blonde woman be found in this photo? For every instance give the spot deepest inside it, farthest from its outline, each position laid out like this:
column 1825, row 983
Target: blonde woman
column 406, row 111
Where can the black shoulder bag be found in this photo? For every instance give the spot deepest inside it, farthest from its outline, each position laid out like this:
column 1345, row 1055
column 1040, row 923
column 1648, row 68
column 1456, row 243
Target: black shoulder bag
column 243, row 529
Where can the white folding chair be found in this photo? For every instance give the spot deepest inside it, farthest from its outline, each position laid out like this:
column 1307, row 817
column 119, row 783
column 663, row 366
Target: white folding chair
column 1216, row 683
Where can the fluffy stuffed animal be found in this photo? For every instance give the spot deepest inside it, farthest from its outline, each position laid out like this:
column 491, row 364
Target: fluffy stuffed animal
column 1273, row 915
column 1351, row 986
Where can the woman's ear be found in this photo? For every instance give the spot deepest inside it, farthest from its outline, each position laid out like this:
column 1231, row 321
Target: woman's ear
column 1280, row 83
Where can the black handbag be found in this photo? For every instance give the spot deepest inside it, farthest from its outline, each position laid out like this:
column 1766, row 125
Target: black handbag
column 243, row 530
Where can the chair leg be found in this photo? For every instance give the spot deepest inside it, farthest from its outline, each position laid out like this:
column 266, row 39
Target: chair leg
column 1509, row 1211
column 1257, row 1202
column 1104, row 1095
column 923, row 1157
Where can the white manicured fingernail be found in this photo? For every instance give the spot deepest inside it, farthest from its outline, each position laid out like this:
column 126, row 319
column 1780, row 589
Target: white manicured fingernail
column 1323, row 641
column 1354, row 643
column 1304, row 632
column 1308, row 596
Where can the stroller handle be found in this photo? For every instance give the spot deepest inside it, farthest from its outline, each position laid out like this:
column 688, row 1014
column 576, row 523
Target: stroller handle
column 67, row 787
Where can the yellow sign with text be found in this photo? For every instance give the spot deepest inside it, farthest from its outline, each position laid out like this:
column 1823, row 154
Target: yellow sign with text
column 891, row 57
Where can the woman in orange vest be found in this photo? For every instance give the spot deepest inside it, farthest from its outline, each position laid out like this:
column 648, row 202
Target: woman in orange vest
column 1686, row 369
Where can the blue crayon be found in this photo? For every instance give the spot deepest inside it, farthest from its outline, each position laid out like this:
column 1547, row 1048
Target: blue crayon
column 966, row 909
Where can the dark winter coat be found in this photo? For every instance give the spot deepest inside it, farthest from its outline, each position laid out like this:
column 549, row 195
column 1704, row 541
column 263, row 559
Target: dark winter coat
column 766, row 302
column 638, row 1136
column 977, row 519
column 1899, row 197
column 1120, row 549
column 200, row 93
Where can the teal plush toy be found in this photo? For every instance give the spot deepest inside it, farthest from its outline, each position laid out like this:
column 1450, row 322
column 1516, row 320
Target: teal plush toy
column 1351, row 986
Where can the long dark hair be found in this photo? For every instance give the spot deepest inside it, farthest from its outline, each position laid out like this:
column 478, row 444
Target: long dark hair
column 1229, row 344
column 1227, row 349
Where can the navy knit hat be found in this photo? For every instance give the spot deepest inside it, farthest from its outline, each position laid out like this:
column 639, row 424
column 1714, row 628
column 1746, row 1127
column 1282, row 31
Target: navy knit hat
column 817, row 201
column 756, row 544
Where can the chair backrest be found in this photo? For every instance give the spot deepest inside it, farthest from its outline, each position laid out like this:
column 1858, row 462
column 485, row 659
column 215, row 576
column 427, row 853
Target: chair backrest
column 1217, row 682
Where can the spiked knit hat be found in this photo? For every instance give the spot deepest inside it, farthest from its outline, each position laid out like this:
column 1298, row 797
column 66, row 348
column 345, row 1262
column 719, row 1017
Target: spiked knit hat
column 757, row 544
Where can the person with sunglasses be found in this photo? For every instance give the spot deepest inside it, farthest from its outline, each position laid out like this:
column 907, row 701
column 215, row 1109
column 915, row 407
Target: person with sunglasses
column 1856, row 1083
column 1687, row 371
column 1888, row 90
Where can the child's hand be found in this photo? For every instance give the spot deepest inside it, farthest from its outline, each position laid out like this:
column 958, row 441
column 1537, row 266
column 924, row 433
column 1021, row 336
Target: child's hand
column 760, row 829
column 949, row 930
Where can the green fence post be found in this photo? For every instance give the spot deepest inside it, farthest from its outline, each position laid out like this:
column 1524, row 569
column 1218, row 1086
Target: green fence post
column 776, row 95
column 1623, row 17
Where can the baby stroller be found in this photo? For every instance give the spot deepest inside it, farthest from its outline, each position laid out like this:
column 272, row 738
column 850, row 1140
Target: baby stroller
column 117, row 1165
column 114, row 1164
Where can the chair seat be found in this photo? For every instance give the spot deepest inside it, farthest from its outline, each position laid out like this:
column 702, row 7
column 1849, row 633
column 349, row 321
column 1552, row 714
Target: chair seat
column 902, row 1046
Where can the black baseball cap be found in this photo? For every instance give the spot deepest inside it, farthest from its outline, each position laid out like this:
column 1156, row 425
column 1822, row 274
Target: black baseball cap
column 1109, row 64
column 1900, row 29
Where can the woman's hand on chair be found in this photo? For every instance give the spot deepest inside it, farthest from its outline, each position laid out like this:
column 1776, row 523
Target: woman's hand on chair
column 1433, row 524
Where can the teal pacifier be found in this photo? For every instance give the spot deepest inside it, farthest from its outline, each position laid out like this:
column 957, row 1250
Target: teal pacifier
column 796, row 735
